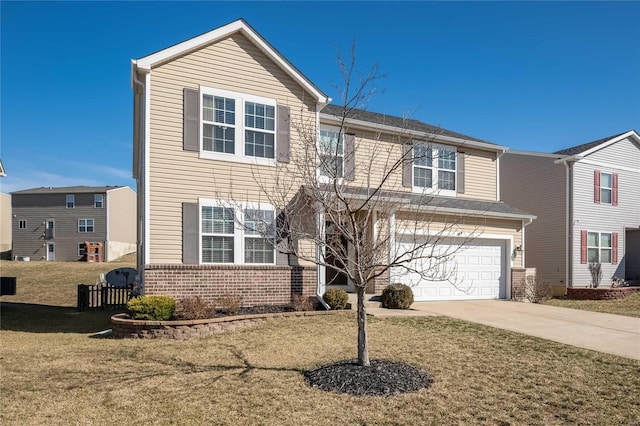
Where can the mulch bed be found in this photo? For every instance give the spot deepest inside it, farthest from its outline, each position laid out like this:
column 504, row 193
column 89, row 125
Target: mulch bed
column 381, row 378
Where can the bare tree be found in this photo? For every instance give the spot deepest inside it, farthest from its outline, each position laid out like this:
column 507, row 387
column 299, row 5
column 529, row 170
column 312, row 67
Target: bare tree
column 347, row 216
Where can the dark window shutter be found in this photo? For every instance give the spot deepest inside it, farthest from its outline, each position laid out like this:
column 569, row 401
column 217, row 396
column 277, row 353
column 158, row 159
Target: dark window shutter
column 190, row 237
column 407, row 165
column 349, row 157
column 460, row 177
column 614, row 248
column 191, row 120
column 281, row 240
column 596, row 186
column 583, row 246
column 614, row 191
column 283, row 142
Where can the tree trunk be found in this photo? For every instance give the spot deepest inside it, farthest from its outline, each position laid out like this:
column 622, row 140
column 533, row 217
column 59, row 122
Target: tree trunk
column 363, row 341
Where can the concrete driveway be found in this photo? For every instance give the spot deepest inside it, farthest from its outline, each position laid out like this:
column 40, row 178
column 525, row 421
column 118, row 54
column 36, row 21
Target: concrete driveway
column 608, row 333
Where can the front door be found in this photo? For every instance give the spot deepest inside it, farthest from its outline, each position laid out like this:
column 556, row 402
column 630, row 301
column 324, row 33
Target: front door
column 51, row 251
column 49, row 231
column 335, row 256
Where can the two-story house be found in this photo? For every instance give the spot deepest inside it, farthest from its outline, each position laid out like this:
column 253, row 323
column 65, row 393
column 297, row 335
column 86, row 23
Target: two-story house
column 55, row 223
column 587, row 200
column 217, row 115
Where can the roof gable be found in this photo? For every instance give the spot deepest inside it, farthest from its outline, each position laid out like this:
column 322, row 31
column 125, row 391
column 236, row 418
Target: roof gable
column 590, row 147
column 148, row 62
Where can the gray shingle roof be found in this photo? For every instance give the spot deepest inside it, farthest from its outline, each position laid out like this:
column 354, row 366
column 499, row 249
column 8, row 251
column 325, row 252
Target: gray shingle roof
column 444, row 204
column 394, row 121
column 67, row 190
column 586, row 146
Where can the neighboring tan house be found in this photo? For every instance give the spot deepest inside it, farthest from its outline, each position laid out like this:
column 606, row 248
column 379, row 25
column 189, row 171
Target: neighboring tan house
column 196, row 106
column 5, row 226
column 54, row 223
column 587, row 202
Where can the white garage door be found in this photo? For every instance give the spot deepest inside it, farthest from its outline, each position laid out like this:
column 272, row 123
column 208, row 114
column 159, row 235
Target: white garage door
column 480, row 269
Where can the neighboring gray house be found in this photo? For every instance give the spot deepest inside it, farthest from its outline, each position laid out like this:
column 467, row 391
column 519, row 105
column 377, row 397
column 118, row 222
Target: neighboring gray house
column 53, row 223
column 587, row 200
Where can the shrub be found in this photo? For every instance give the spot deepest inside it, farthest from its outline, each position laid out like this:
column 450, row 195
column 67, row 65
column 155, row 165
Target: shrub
column 397, row 296
column 229, row 304
column 194, row 308
column 154, row 308
column 336, row 298
column 301, row 303
column 537, row 289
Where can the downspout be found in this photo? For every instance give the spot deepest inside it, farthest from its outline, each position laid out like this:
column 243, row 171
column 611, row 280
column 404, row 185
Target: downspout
column 569, row 228
column 498, row 155
column 320, row 231
column 140, row 174
column 523, row 246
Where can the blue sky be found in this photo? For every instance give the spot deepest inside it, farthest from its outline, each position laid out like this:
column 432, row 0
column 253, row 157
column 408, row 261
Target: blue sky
column 536, row 76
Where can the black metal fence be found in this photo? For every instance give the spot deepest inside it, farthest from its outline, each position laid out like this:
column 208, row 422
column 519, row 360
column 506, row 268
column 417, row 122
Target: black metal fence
column 103, row 296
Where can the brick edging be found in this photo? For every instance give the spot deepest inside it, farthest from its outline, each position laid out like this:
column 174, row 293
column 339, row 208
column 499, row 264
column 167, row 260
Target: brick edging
column 123, row 327
column 583, row 293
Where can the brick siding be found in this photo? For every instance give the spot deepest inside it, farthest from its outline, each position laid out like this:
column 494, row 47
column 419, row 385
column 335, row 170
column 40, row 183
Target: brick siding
column 518, row 283
column 256, row 285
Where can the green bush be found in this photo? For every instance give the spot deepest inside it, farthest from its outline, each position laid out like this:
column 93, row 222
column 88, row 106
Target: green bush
column 336, row 298
column 397, row 296
column 154, row 308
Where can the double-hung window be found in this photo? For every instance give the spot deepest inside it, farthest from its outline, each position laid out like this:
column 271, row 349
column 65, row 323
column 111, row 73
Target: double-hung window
column 71, row 201
column 331, row 153
column 606, row 188
column 98, row 201
column 599, row 247
column 85, row 225
column 238, row 127
column 238, row 234
column 434, row 168
column 218, row 234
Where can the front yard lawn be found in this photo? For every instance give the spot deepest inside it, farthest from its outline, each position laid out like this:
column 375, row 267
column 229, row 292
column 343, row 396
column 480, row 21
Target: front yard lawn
column 629, row 306
column 481, row 376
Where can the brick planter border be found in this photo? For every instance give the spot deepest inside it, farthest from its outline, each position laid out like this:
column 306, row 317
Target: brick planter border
column 605, row 293
column 123, row 327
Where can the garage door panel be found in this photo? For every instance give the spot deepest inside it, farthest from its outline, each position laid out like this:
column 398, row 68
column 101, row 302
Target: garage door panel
column 480, row 272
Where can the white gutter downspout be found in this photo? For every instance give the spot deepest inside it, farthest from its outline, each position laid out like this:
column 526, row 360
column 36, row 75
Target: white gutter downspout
column 498, row 155
column 320, row 231
column 524, row 225
column 142, row 244
column 569, row 228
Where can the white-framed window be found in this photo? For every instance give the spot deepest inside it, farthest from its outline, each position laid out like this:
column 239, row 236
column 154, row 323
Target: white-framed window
column 22, row 224
column 71, row 201
column 85, row 225
column 237, row 127
column 434, row 168
column 606, row 188
column 98, row 201
column 236, row 233
column 599, row 247
column 330, row 153
column 82, row 250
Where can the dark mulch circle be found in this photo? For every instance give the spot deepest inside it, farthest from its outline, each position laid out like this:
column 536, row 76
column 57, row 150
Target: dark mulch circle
column 381, row 378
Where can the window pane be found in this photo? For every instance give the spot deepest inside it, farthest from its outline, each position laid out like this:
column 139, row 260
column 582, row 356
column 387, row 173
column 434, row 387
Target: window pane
column 447, row 159
column 219, row 139
column 592, row 255
column 217, row 249
column 605, row 240
column 222, row 110
column 593, row 240
column 330, row 143
column 259, row 144
column 446, row 180
column 605, row 196
column 258, row 250
column 258, row 222
column 605, row 255
column 207, row 108
column 422, row 177
column 259, row 116
column 217, row 220
column 605, row 180
column 422, row 155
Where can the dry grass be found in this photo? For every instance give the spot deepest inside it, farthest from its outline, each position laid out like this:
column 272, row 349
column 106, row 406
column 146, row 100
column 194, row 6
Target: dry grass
column 54, row 373
column 629, row 306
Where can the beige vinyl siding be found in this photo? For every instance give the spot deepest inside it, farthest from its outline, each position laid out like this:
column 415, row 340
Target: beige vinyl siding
column 537, row 185
column 178, row 176
column 453, row 226
column 377, row 153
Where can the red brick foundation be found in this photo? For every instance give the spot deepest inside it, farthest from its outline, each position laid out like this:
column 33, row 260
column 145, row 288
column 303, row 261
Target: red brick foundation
column 518, row 283
column 256, row 285
column 605, row 293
